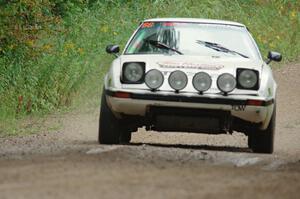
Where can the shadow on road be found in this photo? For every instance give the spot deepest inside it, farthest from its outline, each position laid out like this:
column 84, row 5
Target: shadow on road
column 198, row 147
column 181, row 146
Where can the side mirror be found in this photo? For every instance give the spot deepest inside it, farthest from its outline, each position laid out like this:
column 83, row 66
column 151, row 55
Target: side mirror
column 274, row 56
column 113, row 49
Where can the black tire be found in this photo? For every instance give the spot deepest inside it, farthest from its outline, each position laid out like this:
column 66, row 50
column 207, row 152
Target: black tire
column 109, row 125
column 262, row 141
column 125, row 137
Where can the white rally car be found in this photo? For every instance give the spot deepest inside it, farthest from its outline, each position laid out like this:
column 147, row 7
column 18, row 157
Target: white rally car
column 190, row 75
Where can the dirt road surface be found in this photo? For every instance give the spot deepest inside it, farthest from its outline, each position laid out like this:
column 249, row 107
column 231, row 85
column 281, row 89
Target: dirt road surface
column 70, row 164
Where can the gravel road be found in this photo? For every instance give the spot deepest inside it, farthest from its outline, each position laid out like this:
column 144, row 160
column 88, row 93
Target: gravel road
column 70, row 164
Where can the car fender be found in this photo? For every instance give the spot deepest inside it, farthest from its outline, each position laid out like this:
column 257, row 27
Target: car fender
column 268, row 88
column 112, row 78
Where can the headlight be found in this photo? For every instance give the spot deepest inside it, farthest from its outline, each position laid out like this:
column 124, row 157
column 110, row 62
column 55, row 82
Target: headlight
column 201, row 81
column 226, row 82
column 133, row 72
column 154, row 79
column 247, row 79
column 178, row 80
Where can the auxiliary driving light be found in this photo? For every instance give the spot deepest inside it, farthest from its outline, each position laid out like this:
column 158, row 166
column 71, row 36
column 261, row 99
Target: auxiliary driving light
column 178, row 80
column 202, row 81
column 154, row 79
column 226, row 82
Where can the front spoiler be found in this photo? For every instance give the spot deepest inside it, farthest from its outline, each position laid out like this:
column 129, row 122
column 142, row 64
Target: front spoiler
column 253, row 109
column 188, row 99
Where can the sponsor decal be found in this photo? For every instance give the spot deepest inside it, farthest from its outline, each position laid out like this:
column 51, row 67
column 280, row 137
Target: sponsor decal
column 148, row 25
column 238, row 107
column 188, row 65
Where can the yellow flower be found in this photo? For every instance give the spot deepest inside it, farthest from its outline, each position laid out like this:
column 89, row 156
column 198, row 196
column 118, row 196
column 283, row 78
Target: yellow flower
column 115, row 33
column 293, row 14
column 278, row 37
column 104, row 29
column 69, row 45
column 30, row 42
column 47, row 47
column 80, row 50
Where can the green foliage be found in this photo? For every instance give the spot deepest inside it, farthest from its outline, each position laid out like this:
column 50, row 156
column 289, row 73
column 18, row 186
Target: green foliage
column 52, row 51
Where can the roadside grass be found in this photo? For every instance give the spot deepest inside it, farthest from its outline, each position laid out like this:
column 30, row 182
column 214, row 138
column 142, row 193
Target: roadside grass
column 68, row 71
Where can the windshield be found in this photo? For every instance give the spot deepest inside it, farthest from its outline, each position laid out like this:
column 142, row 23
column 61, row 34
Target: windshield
column 184, row 37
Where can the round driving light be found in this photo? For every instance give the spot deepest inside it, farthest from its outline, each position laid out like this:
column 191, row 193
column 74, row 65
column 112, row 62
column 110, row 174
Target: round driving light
column 154, row 79
column 133, row 72
column 226, row 82
column 202, row 81
column 178, row 80
column 247, row 79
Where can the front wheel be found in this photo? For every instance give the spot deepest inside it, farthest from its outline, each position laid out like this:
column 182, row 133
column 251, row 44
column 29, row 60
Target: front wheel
column 262, row 141
column 125, row 137
column 109, row 128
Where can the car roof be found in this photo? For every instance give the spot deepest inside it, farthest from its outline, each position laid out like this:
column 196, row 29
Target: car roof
column 196, row 20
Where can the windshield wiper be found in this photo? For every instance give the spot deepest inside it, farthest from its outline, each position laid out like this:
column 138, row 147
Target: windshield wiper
column 161, row 45
column 219, row 47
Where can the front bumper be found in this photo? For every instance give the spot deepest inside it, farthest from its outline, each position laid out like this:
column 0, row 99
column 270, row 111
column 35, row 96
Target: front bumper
column 253, row 109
